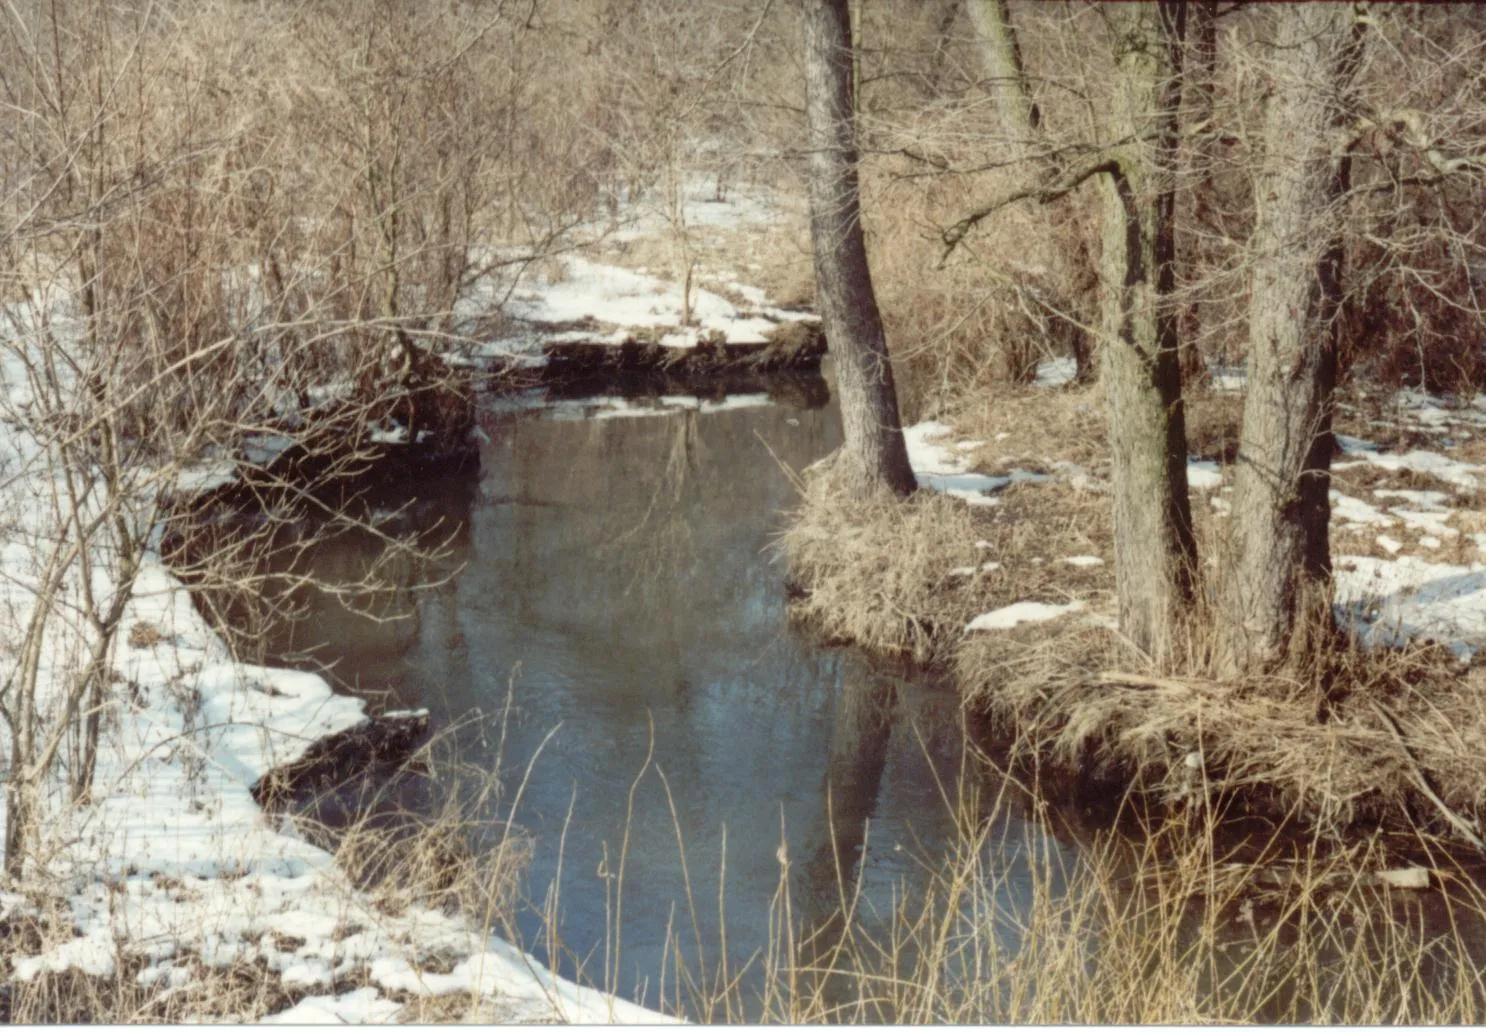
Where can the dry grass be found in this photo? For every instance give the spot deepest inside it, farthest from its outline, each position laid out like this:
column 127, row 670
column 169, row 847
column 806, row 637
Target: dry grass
column 905, row 577
column 1323, row 749
column 1320, row 745
column 1172, row 925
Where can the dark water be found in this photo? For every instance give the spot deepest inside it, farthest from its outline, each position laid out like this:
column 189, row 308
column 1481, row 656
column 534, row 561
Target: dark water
column 620, row 570
column 617, row 569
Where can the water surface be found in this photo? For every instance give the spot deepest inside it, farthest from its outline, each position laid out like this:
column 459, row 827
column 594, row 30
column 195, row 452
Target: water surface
column 620, row 569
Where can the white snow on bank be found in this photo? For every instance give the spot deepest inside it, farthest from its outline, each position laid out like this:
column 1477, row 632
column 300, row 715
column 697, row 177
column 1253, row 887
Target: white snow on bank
column 604, row 407
column 970, row 571
column 1203, row 475
column 940, row 465
column 1355, row 510
column 1390, row 601
column 173, row 863
column 1056, row 372
column 1010, row 616
column 176, row 852
column 588, row 293
column 1227, row 378
column 1451, row 471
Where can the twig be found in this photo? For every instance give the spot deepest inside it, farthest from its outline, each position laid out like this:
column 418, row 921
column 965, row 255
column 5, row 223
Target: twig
column 1459, row 823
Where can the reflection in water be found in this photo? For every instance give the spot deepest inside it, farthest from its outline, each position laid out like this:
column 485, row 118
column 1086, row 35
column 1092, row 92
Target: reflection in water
column 687, row 749
column 620, row 569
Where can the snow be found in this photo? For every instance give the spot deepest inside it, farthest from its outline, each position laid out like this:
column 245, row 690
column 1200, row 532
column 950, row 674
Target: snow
column 970, row 571
column 1021, row 612
column 1433, row 501
column 363, row 1006
column 1354, row 510
column 1354, row 445
column 1056, row 372
column 1390, row 601
column 1228, row 378
column 172, row 862
column 1428, row 522
column 612, row 302
column 91, row 954
column 1083, row 560
column 1451, row 471
column 1203, row 475
column 941, row 466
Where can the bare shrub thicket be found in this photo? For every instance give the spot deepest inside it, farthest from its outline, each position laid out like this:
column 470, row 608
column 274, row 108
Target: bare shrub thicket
column 1021, row 289
column 239, row 236
column 1022, row 286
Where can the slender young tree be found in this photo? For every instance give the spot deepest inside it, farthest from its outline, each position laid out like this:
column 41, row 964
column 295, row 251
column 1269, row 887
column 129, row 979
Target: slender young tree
column 873, row 455
column 1278, row 577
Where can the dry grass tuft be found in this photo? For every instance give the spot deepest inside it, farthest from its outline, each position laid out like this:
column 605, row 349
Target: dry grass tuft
column 1370, row 736
column 1031, row 427
column 1214, row 422
column 905, row 577
column 879, row 570
column 1367, row 736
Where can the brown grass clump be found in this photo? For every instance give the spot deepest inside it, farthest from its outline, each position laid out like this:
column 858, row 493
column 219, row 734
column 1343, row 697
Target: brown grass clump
column 1032, row 427
column 1214, row 422
column 879, row 571
column 1370, row 736
column 905, row 577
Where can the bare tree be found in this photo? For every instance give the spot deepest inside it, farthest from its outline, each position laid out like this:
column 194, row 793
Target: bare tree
column 873, row 455
column 1135, row 169
column 1278, row 581
column 1155, row 552
column 1002, row 53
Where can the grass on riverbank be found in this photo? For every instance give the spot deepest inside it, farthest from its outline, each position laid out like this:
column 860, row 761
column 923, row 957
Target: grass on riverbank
column 1373, row 735
column 1167, row 926
column 1112, row 921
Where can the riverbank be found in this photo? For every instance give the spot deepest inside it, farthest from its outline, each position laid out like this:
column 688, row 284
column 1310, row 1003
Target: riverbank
column 170, row 896
column 1002, row 570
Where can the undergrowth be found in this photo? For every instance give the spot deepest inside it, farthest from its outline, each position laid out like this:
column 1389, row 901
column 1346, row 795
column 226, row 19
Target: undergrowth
column 1365, row 736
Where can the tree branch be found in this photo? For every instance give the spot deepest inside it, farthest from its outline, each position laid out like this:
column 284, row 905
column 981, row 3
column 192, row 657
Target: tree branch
column 1045, row 193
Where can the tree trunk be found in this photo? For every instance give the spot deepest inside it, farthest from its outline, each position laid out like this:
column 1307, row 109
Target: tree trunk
column 1002, row 56
column 873, row 455
column 1021, row 120
column 1278, row 576
column 1155, row 553
column 1197, row 245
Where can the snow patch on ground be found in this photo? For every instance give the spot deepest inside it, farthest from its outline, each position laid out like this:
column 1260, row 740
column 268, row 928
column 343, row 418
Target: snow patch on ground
column 1451, row 471
column 1203, row 475
column 1056, row 372
column 940, row 465
column 1010, row 616
column 1390, row 601
column 172, row 861
column 585, row 300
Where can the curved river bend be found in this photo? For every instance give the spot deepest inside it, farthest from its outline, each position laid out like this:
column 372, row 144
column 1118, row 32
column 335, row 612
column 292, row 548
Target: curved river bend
column 616, row 563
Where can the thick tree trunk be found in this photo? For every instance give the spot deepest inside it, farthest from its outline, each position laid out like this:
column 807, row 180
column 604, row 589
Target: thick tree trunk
column 1155, row 553
column 1277, row 585
column 873, row 455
